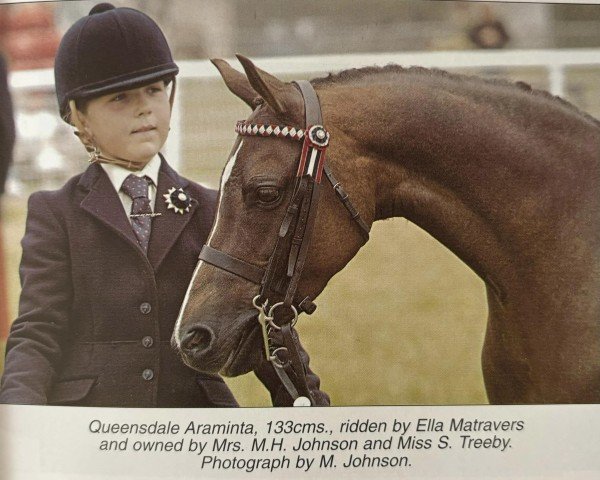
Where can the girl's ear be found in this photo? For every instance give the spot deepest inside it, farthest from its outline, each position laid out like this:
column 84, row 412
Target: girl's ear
column 79, row 120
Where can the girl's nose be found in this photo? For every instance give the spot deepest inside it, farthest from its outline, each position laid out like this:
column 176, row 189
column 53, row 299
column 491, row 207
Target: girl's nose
column 144, row 105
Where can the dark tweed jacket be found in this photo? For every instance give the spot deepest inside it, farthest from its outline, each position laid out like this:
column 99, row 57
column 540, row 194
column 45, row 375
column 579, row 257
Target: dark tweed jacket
column 96, row 315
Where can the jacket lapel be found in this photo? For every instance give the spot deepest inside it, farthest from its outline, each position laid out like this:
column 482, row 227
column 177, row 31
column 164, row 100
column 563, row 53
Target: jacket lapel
column 103, row 203
column 167, row 227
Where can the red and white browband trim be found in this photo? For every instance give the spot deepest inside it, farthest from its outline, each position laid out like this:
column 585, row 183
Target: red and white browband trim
column 315, row 142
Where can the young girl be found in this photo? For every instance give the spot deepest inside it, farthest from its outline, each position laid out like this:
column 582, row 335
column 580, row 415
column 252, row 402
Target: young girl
column 107, row 258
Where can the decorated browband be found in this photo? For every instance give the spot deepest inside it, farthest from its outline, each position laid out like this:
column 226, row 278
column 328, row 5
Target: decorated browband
column 315, row 142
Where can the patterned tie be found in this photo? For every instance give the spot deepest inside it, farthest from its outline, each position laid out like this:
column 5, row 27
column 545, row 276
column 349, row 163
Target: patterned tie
column 141, row 213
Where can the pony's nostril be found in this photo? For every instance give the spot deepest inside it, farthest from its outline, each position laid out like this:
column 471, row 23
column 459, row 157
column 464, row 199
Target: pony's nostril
column 197, row 339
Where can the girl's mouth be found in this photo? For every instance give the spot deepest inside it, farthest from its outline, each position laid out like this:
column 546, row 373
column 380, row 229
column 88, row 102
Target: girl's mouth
column 145, row 128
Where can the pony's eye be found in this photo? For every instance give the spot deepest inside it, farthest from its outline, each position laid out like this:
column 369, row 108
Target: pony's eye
column 267, row 195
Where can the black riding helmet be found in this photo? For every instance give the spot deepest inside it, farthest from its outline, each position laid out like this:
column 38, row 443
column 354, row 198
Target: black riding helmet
column 111, row 49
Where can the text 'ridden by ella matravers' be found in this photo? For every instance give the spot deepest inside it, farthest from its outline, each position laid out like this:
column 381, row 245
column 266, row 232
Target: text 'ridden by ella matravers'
column 355, row 443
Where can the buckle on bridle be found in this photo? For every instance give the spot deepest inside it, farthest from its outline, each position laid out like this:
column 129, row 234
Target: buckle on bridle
column 280, row 361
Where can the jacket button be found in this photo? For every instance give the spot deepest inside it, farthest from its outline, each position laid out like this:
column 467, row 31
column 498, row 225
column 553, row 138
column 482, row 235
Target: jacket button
column 147, row 341
column 148, row 374
column 145, row 308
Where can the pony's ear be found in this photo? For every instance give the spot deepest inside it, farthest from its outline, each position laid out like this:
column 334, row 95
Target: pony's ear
column 236, row 82
column 278, row 95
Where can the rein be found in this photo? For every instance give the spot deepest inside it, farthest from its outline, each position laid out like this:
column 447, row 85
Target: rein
column 288, row 258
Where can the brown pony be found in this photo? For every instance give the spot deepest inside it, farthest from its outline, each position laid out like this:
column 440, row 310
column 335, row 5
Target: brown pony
column 506, row 177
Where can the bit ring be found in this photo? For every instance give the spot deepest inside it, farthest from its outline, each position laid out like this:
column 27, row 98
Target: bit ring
column 270, row 316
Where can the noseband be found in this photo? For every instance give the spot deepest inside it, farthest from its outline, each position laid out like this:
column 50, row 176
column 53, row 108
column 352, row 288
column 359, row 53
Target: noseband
column 281, row 278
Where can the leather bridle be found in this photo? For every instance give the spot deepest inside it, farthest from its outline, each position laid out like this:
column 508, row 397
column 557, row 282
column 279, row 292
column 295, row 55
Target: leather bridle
column 283, row 272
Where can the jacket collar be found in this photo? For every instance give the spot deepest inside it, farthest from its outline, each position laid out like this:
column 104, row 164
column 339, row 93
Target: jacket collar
column 94, row 171
column 167, row 228
column 102, row 202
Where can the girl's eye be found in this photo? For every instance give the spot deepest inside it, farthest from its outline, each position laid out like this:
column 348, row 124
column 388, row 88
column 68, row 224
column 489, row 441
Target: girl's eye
column 118, row 97
column 155, row 89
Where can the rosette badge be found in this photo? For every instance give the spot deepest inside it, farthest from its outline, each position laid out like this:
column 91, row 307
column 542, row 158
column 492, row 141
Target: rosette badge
column 177, row 200
column 318, row 136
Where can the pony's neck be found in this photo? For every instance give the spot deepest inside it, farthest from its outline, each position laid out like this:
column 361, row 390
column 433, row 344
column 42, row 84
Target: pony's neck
column 463, row 170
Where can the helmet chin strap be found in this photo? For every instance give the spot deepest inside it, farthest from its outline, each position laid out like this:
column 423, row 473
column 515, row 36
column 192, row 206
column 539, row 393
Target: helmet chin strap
column 96, row 156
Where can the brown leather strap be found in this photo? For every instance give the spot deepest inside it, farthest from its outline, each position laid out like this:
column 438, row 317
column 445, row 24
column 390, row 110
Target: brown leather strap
column 231, row 264
column 314, row 116
column 304, row 239
column 290, row 342
column 345, row 199
column 288, row 258
column 312, row 106
column 297, row 237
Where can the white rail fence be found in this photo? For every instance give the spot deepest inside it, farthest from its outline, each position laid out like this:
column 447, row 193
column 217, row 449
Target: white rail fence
column 555, row 63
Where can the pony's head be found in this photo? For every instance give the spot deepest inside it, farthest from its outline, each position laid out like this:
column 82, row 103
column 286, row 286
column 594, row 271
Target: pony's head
column 217, row 329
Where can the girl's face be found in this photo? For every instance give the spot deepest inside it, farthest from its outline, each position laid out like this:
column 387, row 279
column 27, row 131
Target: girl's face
column 132, row 124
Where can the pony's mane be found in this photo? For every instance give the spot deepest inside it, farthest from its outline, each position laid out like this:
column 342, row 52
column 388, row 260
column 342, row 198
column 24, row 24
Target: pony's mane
column 357, row 74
